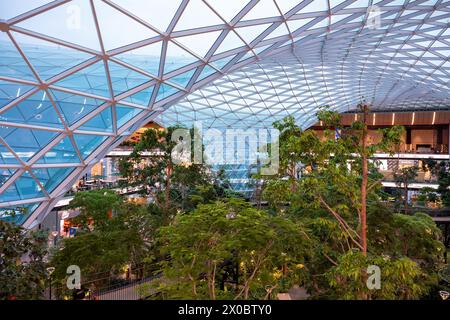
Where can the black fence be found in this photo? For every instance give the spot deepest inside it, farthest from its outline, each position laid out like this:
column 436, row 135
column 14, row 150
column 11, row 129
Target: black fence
column 120, row 291
column 104, row 286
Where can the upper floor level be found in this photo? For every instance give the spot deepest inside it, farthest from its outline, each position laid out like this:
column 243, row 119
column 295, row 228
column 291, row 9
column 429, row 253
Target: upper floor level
column 426, row 133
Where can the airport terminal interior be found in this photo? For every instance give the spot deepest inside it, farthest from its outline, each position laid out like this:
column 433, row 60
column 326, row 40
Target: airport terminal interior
column 314, row 138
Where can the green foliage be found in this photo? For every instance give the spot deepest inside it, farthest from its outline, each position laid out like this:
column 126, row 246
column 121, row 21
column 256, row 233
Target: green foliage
column 418, row 237
column 406, row 175
column 309, row 237
column 427, row 194
column 22, row 265
column 169, row 183
column 125, row 239
column 270, row 252
column 149, row 172
column 277, row 192
column 330, row 168
column 415, row 236
column 403, row 178
column 444, row 182
column 94, row 207
column 401, row 278
column 321, row 190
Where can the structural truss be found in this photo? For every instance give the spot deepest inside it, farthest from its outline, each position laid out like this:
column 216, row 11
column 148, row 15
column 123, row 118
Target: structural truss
column 77, row 77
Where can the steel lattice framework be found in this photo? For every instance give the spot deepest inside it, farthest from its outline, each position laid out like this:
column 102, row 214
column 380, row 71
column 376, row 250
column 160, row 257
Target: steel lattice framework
column 68, row 97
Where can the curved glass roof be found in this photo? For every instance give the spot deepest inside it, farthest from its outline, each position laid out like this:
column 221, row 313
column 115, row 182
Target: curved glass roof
column 77, row 77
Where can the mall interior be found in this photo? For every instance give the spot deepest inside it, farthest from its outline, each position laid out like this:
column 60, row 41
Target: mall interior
column 82, row 80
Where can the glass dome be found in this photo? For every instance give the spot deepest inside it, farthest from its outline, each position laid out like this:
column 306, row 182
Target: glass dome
column 77, row 77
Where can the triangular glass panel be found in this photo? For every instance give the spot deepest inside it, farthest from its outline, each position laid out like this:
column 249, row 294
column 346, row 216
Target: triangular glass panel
column 356, row 18
column 314, row 6
column 6, row 156
column 47, row 58
column 87, row 143
column 63, row 152
column 124, row 79
column 9, row 12
column 338, row 17
column 286, row 5
column 102, row 122
column 359, row 4
column 157, row 13
column 142, row 97
column 145, row 58
column 10, row 194
column 35, row 110
column 230, row 42
column 25, row 187
column 118, row 29
column 199, row 43
column 183, row 79
column 319, row 23
column 72, row 22
column 10, row 91
column 206, row 72
column 252, row 32
column 19, row 213
column 176, row 58
column 263, row 9
column 258, row 50
column 281, row 30
column 227, row 9
column 30, row 142
column 91, row 79
column 190, row 16
column 74, row 107
column 246, row 56
column 165, row 91
column 125, row 114
column 5, row 174
column 50, row 178
column 12, row 64
column 222, row 62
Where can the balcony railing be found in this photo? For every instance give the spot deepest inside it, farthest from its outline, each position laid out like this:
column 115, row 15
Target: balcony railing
column 424, row 148
column 422, row 177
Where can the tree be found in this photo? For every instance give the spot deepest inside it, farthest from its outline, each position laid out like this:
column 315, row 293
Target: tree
column 95, row 207
column 22, row 262
column 167, row 182
column 364, row 177
column 125, row 239
column 336, row 174
column 400, row 278
column 440, row 169
column 403, row 178
column 326, row 196
column 444, row 182
column 417, row 237
column 427, row 194
column 153, row 172
column 270, row 253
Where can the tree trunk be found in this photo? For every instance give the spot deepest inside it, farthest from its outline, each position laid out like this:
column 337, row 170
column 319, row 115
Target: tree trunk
column 167, row 194
column 364, row 184
column 212, row 279
column 406, row 195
